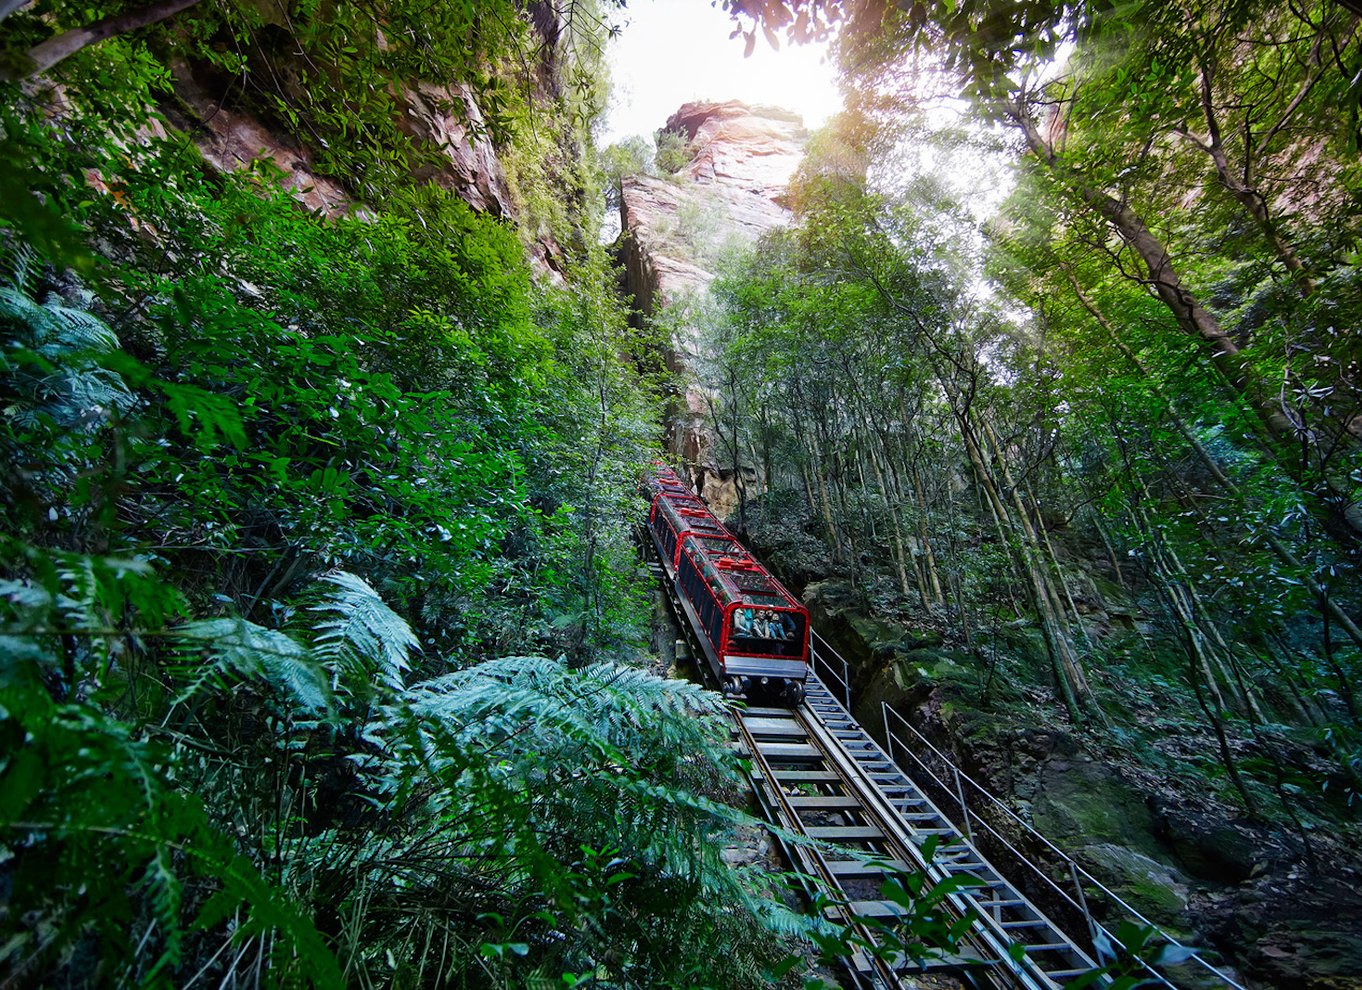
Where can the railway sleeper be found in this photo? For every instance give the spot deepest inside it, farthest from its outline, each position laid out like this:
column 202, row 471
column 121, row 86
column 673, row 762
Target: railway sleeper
column 825, row 802
column 946, row 962
column 843, row 833
column 790, row 752
column 805, row 776
column 854, row 868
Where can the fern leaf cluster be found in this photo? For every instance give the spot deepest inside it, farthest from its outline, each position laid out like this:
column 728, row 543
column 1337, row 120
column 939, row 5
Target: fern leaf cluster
column 319, row 616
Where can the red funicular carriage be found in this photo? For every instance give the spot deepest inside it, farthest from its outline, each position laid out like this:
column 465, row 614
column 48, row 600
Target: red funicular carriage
column 754, row 634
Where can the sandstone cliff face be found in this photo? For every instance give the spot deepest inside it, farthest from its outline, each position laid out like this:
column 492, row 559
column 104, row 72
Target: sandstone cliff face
column 732, row 190
column 230, row 139
column 445, row 117
column 470, row 165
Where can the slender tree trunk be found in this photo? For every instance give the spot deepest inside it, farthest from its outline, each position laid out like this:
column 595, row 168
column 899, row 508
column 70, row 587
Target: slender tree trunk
column 8, row 7
column 1237, row 183
column 1051, row 609
column 1106, row 543
column 900, row 557
column 1199, row 673
column 1280, row 433
column 1018, row 537
column 1222, row 741
column 924, row 537
column 46, row 54
column 1284, row 553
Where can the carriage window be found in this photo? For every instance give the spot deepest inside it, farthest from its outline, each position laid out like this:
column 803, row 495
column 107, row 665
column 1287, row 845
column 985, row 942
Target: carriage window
column 765, row 624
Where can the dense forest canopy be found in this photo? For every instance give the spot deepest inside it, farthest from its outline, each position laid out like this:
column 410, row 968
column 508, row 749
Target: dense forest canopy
column 324, row 638
column 1183, row 233
column 1106, row 442
column 323, row 627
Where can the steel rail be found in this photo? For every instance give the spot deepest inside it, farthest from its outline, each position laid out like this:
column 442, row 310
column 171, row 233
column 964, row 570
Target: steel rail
column 810, row 854
column 988, row 938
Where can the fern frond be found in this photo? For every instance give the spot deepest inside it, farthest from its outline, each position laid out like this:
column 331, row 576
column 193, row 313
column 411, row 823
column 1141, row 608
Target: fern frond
column 79, row 397
column 22, row 316
column 166, row 892
column 362, row 632
column 18, row 262
column 244, row 649
column 77, row 330
column 52, row 328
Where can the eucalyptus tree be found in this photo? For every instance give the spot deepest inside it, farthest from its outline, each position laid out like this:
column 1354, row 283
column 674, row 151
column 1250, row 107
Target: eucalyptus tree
column 1216, row 527
column 1101, row 98
column 871, row 294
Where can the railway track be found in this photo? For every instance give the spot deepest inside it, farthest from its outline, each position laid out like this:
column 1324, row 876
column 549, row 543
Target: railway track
column 818, row 775
column 853, row 819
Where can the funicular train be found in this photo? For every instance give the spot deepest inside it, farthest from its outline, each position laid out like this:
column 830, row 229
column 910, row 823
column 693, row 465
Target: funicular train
column 754, row 634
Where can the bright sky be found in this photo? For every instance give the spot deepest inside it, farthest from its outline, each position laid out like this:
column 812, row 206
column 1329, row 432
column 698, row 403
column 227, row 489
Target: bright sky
column 674, row 51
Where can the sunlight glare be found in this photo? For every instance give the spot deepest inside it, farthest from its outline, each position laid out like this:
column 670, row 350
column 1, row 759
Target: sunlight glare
column 672, row 52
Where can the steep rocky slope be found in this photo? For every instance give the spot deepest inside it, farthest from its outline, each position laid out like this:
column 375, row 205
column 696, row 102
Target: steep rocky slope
column 1278, row 904
column 235, row 128
column 675, row 232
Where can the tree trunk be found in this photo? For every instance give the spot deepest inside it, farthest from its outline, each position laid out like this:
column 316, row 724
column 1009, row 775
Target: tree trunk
column 1284, row 553
column 925, row 539
column 8, row 7
column 1247, row 195
column 900, row 556
column 46, row 54
column 1280, row 434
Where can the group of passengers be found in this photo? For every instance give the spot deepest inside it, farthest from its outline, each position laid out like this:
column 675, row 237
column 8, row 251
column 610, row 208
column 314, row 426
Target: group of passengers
column 762, row 624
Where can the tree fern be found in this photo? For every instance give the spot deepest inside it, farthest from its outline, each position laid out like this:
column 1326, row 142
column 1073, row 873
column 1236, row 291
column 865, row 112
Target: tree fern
column 53, row 328
column 62, row 380
column 245, row 650
column 360, row 634
column 17, row 260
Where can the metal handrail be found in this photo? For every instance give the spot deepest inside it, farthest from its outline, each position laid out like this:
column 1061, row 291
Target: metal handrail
column 843, row 680
column 1077, row 871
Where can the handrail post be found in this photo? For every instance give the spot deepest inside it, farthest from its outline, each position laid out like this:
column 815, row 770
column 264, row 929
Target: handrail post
column 888, row 737
column 846, row 681
column 964, row 808
column 1083, row 903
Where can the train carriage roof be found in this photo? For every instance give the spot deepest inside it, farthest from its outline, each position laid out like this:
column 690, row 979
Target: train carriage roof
column 731, row 570
column 666, row 482
column 735, row 574
column 688, row 514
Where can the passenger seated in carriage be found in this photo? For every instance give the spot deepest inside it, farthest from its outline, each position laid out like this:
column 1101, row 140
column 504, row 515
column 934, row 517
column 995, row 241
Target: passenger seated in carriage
column 763, row 624
column 742, row 622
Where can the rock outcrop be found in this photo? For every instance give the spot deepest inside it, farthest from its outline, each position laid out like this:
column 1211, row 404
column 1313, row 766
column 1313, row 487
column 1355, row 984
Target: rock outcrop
column 231, row 139
column 232, row 135
column 448, row 118
column 675, row 231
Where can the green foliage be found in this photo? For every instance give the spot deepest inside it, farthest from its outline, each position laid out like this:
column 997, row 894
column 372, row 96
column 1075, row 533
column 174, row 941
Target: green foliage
column 514, row 796
column 281, row 494
column 672, row 151
column 100, row 836
column 868, row 387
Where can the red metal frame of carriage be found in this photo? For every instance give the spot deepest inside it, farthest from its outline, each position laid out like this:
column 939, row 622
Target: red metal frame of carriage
column 754, row 633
